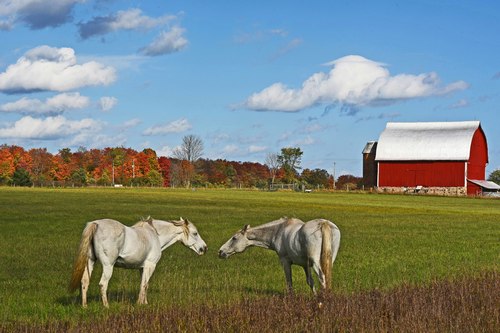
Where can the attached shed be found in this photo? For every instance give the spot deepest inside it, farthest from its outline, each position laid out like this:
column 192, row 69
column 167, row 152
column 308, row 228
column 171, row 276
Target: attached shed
column 437, row 157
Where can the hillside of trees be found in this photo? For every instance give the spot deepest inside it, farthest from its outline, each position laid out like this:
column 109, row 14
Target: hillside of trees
column 128, row 167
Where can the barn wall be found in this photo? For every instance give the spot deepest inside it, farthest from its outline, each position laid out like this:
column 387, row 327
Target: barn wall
column 421, row 173
column 369, row 170
column 473, row 189
column 478, row 156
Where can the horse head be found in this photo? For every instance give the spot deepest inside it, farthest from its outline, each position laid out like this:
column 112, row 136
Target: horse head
column 236, row 244
column 191, row 238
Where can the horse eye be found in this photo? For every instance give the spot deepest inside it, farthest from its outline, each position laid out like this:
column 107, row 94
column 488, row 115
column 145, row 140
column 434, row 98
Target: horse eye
column 234, row 238
column 196, row 234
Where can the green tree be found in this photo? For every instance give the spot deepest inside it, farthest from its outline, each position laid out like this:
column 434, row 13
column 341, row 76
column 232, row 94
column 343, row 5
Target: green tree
column 289, row 160
column 495, row 176
column 21, row 177
column 154, row 178
column 79, row 176
column 316, row 177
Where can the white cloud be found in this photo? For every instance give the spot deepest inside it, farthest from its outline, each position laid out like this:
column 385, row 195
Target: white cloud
column 176, row 126
column 131, row 19
column 166, row 42
column 230, row 149
column 166, row 151
column 132, row 123
column 93, row 139
column 256, row 149
column 49, row 128
column 353, row 82
column 56, row 69
column 53, row 105
column 306, row 141
column 259, row 35
column 107, row 103
column 38, row 14
column 460, row 104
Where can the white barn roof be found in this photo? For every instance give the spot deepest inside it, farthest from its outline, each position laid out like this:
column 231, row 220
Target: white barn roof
column 448, row 141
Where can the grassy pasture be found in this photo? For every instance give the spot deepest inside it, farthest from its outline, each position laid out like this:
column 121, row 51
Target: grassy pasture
column 387, row 241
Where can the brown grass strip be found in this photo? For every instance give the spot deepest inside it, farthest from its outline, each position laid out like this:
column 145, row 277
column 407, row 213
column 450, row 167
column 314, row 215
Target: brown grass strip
column 462, row 305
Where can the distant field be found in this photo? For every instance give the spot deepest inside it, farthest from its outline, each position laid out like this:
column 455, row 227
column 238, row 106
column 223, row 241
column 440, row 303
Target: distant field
column 387, row 241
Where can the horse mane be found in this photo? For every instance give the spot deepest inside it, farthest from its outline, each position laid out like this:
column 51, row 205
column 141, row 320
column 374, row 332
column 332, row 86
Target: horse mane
column 144, row 222
column 182, row 223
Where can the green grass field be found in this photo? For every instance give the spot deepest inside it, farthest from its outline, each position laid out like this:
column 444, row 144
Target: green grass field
column 387, row 240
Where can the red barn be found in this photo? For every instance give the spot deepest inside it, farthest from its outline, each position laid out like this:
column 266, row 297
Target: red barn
column 438, row 157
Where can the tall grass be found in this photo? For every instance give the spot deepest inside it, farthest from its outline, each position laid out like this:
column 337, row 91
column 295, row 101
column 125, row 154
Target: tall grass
column 387, row 241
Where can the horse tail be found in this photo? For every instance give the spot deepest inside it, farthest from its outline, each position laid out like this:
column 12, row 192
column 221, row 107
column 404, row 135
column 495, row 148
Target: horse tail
column 82, row 256
column 326, row 252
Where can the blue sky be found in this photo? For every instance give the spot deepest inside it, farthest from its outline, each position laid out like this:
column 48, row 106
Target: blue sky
column 248, row 77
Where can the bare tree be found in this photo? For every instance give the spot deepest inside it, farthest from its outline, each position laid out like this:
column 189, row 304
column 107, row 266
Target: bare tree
column 188, row 153
column 273, row 165
column 190, row 150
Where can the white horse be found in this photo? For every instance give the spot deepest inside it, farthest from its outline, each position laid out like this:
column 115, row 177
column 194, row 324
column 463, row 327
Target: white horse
column 139, row 247
column 313, row 244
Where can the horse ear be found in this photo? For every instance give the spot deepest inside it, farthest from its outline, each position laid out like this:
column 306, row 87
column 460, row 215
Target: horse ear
column 245, row 228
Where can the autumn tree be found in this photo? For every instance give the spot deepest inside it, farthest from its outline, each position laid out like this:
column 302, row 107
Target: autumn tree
column 41, row 164
column 165, row 165
column 7, row 167
column 348, row 182
column 316, row 177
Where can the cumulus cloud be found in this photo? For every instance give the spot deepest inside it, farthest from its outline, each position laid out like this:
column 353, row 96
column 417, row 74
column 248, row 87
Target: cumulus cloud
column 167, row 42
column 47, row 68
column 38, row 14
column 131, row 19
column 176, row 126
column 50, row 128
column 106, row 103
column 53, row 105
column 353, row 82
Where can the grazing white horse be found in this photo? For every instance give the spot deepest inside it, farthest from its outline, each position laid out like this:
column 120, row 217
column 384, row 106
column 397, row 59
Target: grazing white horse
column 313, row 244
column 139, row 247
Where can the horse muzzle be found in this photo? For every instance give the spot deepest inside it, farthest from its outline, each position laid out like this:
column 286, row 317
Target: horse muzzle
column 223, row 255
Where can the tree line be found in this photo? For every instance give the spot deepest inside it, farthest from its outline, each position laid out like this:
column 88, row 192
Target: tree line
column 186, row 168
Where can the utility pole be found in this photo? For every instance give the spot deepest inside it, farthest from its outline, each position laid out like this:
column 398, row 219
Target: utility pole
column 334, row 175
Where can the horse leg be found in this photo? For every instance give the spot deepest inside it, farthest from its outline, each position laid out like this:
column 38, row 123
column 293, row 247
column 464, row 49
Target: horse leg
column 320, row 274
column 309, row 278
column 86, row 281
column 107, row 271
column 287, row 267
column 146, row 272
